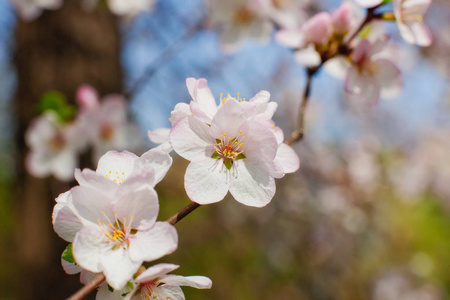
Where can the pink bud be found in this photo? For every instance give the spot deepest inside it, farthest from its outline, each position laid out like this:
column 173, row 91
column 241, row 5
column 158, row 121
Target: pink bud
column 87, row 97
column 342, row 18
column 319, row 29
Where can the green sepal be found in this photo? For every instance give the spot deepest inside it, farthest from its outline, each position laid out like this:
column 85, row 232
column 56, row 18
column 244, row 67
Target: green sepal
column 218, row 141
column 68, row 255
column 215, row 155
column 130, row 285
column 385, row 2
column 228, row 163
column 110, row 288
column 240, row 156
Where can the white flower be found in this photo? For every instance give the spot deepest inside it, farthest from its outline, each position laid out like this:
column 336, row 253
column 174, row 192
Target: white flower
column 130, row 8
column 369, row 3
column 409, row 17
column 111, row 216
column 239, row 19
column 154, row 283
column 106, row 123
column 371, row 76
column 232, row 153
column 32, row 9
column 54, row 147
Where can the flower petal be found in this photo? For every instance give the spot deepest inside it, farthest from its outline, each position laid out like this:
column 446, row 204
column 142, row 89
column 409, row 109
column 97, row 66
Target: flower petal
column 70, row 268
column 190, row 138
column 118, row 267
column 389, row 77
column 156, row 160
column 116, row 164
column 292, row 38
column 93, row 180
column 153, row 243
column 206, row 181
column 165, row 292
column 156, row 271
column 228, row 119
column 91, row 204
column 88, row 246
column 308, row 57
column 140, row 207
column 159, row 136
column 369, row 3
column 201, row 94
column 198, row 282
column 252, row 184
column 65, row 222
column 287, row 159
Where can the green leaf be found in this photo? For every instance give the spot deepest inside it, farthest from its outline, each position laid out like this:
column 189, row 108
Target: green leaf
column 228, row 163
column 240, row 156
column 215, row 155
column 68, row 255
column 57, row 102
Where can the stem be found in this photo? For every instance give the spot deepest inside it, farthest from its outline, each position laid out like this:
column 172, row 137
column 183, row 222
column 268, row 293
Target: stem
column 164, row 57
column 369, row 17
column 85, row 290
column 300, row 131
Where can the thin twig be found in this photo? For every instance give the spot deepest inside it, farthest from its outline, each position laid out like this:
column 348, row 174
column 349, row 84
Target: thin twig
column 164, row 57
column 88, row 288
column 300, row 131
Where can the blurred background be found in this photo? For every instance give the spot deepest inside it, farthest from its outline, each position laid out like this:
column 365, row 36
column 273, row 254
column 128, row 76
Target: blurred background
column 367, row 216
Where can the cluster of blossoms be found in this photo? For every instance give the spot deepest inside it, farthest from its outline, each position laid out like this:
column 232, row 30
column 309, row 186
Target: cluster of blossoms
column 234, row 146
column 368, row 73
column 110, row 219
column 29, row 10
column 56, row 144
column 237, row 19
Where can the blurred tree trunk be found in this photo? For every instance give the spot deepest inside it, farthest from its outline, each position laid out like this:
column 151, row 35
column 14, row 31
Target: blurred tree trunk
column 59, row 51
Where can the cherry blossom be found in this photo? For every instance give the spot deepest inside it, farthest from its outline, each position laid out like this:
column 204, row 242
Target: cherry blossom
column 239, row 19
column 154, row 283
column 320, row 36
column 106, row 123
column 369, row 3
column 130, row 8
column 232, row 153
column 32, row 9
column 370, row 75
column 409, row 17
column 111, row 216
column 54, row 147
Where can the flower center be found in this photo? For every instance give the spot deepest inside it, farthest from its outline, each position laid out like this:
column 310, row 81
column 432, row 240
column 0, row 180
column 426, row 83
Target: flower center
column 117, row 232
column 106, row 132
column 243, row 16
column 117, row 176
column 147, row 290
column 229, row 149
column 57, row 142
column 223, row 99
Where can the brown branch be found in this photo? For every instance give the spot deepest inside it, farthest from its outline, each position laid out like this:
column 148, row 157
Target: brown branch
column 298, row 134
column 88, row 288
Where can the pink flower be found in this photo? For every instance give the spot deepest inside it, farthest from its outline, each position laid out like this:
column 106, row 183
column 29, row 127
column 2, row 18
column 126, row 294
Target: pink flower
column 342, row 19
column 54, row 147
column 106, row 123
column 409, row 17
column 371, row 76
column 154, row 283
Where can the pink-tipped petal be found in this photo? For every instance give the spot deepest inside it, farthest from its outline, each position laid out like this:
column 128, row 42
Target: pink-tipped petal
column 156, row 271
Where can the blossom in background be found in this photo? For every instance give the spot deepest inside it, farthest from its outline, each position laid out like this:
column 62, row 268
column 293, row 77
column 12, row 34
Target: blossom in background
column 289, row 13
column 369, row 3
column 111, row 216
column 130, row 8
column 409, row 17
column 106, row 123
column 154, row 283
column 313, row 38
column 371, row 76
column 237, row 19
column 29, row 10
column 54, row 147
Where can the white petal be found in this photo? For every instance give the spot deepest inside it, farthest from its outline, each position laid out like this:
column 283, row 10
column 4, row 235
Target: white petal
column 153, row 243
column 88, row 246
column 337, row 66
column 159, row 136
column 198, row 282
column 116, row 163
column 190, row 138
column 105, row 294
column 118, row 267
column 180, row 111
column 369, row 3
column 420, row 32
column 201, row 94
column 94, row 180
column 65, row 222
column 308, row 57
column 228, row 119
column 389, row 77
column 166, row 292
column 260, row 142
column 292, row 38
column 156, row 271
column 64, row 164
column 70, row 268
column 206, row 181
column 38, row 164
column 157, row 160
column 252, row 184
column 140, row 207
column 87, row 97
column 287, row 159
column 90, row 204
